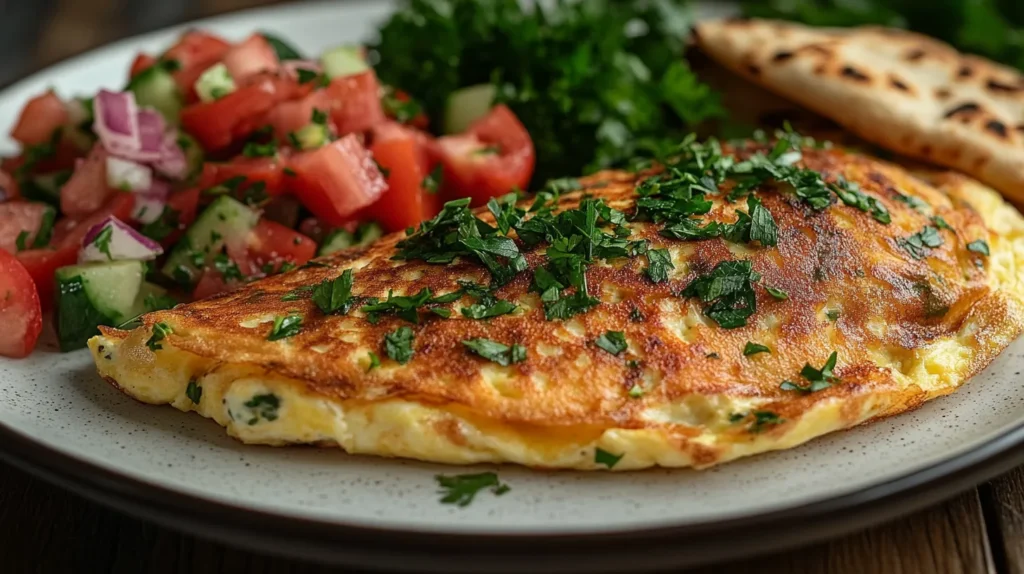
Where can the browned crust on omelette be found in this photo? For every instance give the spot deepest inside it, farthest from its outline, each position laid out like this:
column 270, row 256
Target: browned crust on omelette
column 891, row 308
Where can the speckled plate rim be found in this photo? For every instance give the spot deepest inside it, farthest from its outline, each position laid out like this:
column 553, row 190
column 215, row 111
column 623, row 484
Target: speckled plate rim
column 632, row 550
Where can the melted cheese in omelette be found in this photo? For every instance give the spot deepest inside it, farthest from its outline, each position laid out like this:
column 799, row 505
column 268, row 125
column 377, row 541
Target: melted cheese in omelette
column 905, row 331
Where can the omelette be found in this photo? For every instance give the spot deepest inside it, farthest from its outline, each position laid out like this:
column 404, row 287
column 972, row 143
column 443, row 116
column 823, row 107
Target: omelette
column 727, row 301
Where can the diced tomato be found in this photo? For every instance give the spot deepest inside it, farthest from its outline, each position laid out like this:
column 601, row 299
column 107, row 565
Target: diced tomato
column 87, row 189
column 213, row 283
column 64, row 157
column 218, row 123
column 337, row 180
column 268, row 170
column 405, row 203
column 492, row 158
column 271, row 244
column 141, row 63
column 296, row 114
column 356, row 100
column 195, row 52
column 20, row 312
column 313, row 228
column 70, row 231
column 17, row 217
column 42, row 115
column 185, row 204
column 250, row 57
column 8, row 188
column 421, row 121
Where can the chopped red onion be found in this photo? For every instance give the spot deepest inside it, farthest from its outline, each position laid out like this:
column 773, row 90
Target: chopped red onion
column 151, row 132
column 149, row 204
column 122, row 243
column 117, row 122
column 127, row 175
column 172, row 162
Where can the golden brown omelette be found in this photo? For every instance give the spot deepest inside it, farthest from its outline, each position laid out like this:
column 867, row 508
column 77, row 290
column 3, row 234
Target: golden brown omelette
column 737, row 300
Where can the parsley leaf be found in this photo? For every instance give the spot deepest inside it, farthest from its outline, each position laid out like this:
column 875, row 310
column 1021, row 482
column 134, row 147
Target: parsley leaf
column 777, row 293
column 102, row 240
column 754, row 348
column 334, row 296
column 405, row 307
column 463, row 488
column 659, row 261
column 612, row 341
column 818, row 379
column 493, row 308
column 941, row 223
column 606, row 458
column 763, row 419
column 160, row 331
column 979, row 246
column 496, row 352
column 728, row 293
column 194, row 392
column 398, row 345
column 919, row 243
column 374, row 361
column 253, row 149
column 263, row 406
column 20, row 243
column 432, row 182
column 285, row 327
column 851, row 195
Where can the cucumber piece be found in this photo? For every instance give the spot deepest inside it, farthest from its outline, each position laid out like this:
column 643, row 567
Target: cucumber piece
column 95, row 294
column 215, row 83
column 467, row 105
column 312, row 136
column 343, row 61
column 194, row 155
column 225, row 220
column 46, row 187
column 155, row 87
column 340, row 239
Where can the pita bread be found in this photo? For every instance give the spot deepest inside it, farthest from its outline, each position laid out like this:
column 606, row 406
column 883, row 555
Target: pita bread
column 906, row 92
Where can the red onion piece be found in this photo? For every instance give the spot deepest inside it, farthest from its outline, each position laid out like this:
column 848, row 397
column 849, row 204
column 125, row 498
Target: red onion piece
column 125, row 243
column 172, row 162
column 151, row 131
column 117, row 123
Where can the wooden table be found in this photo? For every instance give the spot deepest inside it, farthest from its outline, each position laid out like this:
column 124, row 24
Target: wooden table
column 46, row 529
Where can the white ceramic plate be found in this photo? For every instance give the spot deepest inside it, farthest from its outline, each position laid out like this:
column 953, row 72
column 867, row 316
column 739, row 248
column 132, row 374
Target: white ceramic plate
column 59, row 419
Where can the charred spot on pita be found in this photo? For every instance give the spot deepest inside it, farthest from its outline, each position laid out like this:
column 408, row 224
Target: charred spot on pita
column 754, row 69
column 782, row 56
column 942, row 93
column 898, row 84
column 997, row 127
column 965, row 71
column 854, row 74
column 915, row 55
column 997, row 86
column 968, row 108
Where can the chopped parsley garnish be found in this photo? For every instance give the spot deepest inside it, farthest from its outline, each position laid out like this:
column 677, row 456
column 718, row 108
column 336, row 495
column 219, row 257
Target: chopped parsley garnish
column 296, row 294
column 158, row 302
column 334, row 296
column 659, row 261
column 432, row 182
column 919, row 244
column 764, row 419
column 194, row 392
column 833, row 314
column 160, row 332
column 398, row 345
column 253, row 149
column 102, row 240
column 319, row 117
column 752, row 348
column 914, row 202
column 289, row 172
column 941, row 223
column 374, row 361
column 21, row 241
column 606, row 458
column 463, row 488
column 612, row 341
column 491, row 308
column 817, row 379
column 402, row 108
column 851, row 195
column 777, row 293
column 636, row 391
column 457, row 232
column 227, row 268
column 406, row 307
column 496, row 352
column 162, row 227
column 263, row 406
column 979, row 246
column 285, row 327
column 728, row 293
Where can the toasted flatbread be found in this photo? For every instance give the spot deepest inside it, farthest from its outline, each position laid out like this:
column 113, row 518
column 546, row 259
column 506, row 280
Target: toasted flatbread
column 903, row 91
column 906, row 324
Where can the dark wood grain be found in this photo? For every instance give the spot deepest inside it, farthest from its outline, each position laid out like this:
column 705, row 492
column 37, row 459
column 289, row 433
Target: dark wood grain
column 1003, row 501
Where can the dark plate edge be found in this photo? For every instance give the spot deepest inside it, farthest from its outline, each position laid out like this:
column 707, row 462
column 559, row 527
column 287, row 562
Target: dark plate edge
column 633, row 550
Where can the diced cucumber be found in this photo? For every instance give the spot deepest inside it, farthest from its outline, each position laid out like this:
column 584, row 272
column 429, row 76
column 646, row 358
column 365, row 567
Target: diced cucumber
column 194, row 154
column 225, row 220
column 95, row 294
column 45, row 187
column 215, row 83
column 155, row 87
column 312, row 136
column 343, row 61
column 467, row 105
column 340, row 239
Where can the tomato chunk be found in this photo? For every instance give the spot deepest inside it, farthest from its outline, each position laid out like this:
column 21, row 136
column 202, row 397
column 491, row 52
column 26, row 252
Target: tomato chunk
column 356, row 102
column 270, row 245
column 141, row 63
column 23, row 217
column 195, row 52
column 268, row 170
column 218, row 123
column 294, row 115
column 8, row 187
column 405, row 203
column 252, row 56
column 20, row 312
column 183, row 206
column 87, row 189
column 492, row 158
column 213, row 283
column 337, row 180
column 42, row 115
